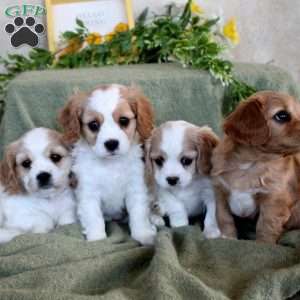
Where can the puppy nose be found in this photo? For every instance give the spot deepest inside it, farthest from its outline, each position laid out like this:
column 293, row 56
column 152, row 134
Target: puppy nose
column 111, row 145
column 172, row 180
column 43, row 178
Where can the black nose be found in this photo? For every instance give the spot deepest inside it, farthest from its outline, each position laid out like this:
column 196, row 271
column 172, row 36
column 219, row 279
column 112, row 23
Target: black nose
column 111, row 145
column 43, row 179
column 172, row 180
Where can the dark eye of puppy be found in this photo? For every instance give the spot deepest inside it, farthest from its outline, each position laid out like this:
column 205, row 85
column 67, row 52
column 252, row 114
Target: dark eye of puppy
column 282, row 116
column 159, row 161
column 124, row 121
column 26, row 164
column 55, row 157
column 186, row 161
column 94, row 126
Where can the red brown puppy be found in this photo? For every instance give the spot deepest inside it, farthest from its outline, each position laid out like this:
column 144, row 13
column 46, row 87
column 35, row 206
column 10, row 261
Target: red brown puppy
column 256, row 166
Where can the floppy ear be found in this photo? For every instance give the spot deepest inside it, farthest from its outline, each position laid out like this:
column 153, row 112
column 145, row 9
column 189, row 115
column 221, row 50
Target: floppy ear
column 143, row 111
column 70, row 118
column 206, row 142
column 8, row 170
column 247, row 124
column 148, row 162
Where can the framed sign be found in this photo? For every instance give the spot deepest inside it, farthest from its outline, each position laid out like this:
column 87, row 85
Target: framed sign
column 98, row 16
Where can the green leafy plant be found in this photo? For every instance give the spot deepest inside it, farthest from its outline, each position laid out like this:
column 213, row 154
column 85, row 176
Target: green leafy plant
column 184, row 38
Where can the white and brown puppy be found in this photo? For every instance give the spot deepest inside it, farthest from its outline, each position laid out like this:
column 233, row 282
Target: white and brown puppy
column 108, row 126
column 35, row 192
column 179, row 159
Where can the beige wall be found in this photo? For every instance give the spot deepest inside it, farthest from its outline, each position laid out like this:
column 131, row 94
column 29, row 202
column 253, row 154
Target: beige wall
column 269, row 29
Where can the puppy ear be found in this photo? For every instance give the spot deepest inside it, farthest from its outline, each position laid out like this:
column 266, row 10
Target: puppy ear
column 247, row 124
column 143, row 111
column 206, row 142
column 148, row 162
column 70, row 118
column 8, row 170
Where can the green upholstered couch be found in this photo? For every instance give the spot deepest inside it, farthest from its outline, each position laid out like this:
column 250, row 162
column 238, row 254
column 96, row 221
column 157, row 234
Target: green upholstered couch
column 182, row 264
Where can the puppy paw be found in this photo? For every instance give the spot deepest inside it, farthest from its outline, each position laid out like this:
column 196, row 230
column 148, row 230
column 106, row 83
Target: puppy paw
column 96, row 236
column 67, row 219
column 212, row 233
column 157, row 220
column 224, row 236
column 145, row 237
column 179, row 223
column 42, row 228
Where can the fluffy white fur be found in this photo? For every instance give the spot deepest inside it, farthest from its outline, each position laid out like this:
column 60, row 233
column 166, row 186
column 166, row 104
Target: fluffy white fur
column 36, row 209
column 193, row 193
column 111, row 183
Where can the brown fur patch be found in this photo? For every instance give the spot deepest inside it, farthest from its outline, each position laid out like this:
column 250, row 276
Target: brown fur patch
column 57, row 145
column 8, row 169
column 203, row 140
column 123, row 109
column 152, row 149
column 142, row 109
column 247, row 124
column 87, row 117
column 70, row 117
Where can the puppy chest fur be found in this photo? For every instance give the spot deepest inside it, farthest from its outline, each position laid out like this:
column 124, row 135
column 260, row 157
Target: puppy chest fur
column 194, row 197
column 109, row 181
column 247, row 181
column 41, row 215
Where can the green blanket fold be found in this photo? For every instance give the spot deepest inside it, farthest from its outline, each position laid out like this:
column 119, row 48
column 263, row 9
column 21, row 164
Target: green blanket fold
column 183, row 265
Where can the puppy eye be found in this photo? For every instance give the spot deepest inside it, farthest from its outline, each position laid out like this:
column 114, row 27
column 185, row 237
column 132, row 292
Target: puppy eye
column 186, row 161
column 124, row 121
column 159, row 161
column 94, row 126
column 282, row 116
column 26, row 164
column 55, row 157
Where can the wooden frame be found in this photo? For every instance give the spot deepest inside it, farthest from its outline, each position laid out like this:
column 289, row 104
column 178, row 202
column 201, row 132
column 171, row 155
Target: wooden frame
column 51, row 22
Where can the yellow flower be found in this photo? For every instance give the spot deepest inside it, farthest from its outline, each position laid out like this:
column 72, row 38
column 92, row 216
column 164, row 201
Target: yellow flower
column 94, row 39
column 121, row 27
column 109, row 36
column 230, row 31
column 196, row 8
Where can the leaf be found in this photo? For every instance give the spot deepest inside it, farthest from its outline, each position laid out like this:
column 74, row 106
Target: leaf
column 68, row 35
column 80, row 23
column 142, row 17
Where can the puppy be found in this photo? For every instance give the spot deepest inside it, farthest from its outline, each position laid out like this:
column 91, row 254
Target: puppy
column 35, row 195
column 255, row 169
column 179, row 159
column 108, row 127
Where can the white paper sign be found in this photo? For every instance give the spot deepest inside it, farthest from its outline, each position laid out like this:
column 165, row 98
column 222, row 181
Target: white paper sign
column 98, row 16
